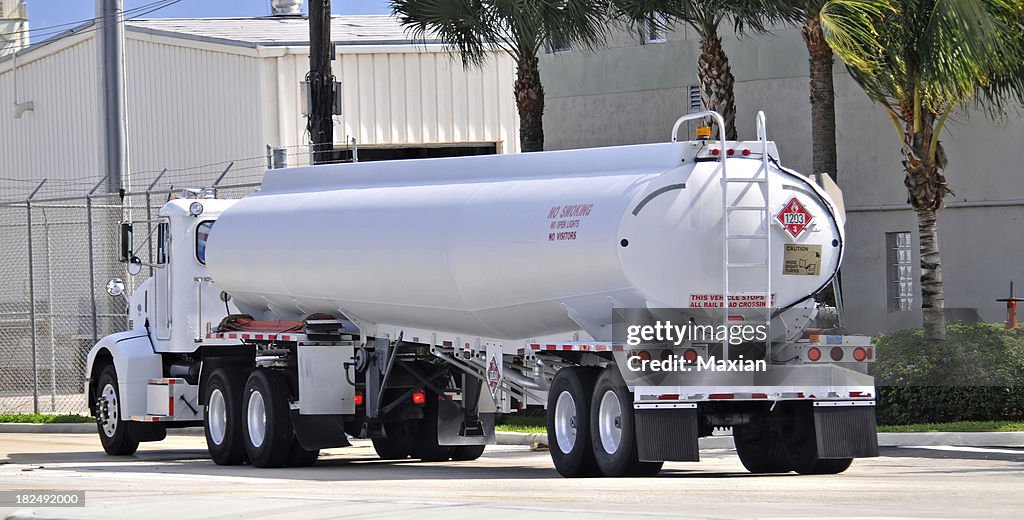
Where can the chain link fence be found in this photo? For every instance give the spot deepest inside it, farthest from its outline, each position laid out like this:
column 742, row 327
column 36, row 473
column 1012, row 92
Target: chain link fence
column 56, row 255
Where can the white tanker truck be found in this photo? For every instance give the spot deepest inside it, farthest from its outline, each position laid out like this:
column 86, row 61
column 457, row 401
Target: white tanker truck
column 412, row 302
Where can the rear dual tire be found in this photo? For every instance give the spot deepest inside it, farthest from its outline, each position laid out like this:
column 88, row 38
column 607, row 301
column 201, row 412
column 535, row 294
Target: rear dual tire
column 267, row 432
column 613, row 429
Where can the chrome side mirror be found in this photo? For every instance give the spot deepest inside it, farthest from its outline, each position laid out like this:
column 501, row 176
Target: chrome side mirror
column 115, row 287
column 134, row 266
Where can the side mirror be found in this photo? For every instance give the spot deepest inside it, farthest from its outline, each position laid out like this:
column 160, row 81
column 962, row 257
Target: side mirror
column 115, row 287
column 134, row 266
column 126, row 242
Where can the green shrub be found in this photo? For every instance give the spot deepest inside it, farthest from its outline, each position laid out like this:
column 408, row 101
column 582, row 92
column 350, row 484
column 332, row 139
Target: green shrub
column 977, row 373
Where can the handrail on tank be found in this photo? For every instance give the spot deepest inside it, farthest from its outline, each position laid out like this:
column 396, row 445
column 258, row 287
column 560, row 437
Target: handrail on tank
column 700, row 115
column 762, row 132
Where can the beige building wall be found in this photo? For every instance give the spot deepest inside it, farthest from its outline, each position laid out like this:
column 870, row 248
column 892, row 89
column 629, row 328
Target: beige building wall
column 632, row 93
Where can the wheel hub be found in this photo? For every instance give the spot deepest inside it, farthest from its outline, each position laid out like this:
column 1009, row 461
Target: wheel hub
column 565, row 422
column 218, row 417
column 109, row 410
column 256, row 418
column 610, row 422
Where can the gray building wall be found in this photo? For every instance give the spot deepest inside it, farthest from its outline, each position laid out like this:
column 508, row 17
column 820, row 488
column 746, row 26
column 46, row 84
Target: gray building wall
column 632, row 93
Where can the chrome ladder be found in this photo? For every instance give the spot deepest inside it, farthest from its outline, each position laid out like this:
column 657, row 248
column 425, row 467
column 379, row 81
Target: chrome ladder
column 730, row 206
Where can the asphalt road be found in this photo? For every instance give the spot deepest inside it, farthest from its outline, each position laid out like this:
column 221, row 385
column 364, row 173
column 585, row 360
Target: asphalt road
column 174, row 479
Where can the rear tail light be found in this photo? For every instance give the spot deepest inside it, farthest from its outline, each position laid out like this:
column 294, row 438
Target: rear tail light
column 643, row 354
column 836, row 353
column 690, row 356
column 814, row 353
column 666, row 355
column 358, row 399
column 859, row 354
column 419, row 397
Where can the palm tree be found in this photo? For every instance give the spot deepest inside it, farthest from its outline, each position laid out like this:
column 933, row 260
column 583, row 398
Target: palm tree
column 705, row 17
column 520, row 28
column 921, row 60
column 823, row 95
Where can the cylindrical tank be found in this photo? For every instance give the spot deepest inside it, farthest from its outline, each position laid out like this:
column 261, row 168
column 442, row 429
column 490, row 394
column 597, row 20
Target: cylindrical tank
column 517, row 246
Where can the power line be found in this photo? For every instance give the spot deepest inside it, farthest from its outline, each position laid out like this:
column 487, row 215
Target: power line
column 135, row 12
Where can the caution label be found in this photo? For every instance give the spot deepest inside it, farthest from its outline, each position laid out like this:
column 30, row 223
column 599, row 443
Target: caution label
column 802, row 259
column 714, row 301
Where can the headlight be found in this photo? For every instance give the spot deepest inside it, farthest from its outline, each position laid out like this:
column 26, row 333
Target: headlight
column 195, row 209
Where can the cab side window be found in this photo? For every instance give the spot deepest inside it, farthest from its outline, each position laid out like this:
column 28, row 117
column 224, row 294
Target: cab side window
column 202, row 234
column 163, row 243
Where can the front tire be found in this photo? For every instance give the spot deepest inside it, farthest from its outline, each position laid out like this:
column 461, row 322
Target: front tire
column 222, row 417
column 612, row 426
column 267, row 428
column 568, row 422
column 113, row 429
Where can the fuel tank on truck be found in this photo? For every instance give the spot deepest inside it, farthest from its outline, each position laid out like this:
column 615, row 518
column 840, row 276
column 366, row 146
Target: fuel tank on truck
column 518, row 246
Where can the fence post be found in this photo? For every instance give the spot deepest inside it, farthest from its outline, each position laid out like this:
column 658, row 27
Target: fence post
column 32, row 300
column 92, row 259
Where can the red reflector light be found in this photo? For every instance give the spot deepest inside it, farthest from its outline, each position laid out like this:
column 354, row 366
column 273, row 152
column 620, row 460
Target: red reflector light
column 860, row 394
column 690, row 355
column 836, row 353
column 668, row 397
column 666, row 354
column 746, row 151
column 871, row 353
column 735, row 318
column 358, row 399
column 859, row 354
column 730, row 151
column 721, row 396
column 643, row 354
column 759, row 396
column 814, row 353
column 715, row 152
column 419, row 397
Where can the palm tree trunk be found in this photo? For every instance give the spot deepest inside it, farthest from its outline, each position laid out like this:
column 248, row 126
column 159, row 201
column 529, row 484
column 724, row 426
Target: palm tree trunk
column 823, row 97
column 926, row 189
column 530, row 102
column 716, row 82
column 932, row 301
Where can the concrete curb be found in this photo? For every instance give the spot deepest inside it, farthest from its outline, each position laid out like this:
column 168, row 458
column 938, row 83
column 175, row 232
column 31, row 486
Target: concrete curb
column 722, row 442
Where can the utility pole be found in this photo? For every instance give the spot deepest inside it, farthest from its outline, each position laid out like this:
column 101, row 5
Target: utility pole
column 320, row 81
column 111, row 16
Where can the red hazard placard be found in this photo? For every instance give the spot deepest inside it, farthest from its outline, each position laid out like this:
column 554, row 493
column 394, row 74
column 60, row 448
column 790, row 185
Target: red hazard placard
column 493, row 377
column 794, row 217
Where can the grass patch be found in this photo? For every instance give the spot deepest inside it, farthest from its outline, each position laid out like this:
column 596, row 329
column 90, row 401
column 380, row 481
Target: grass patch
column 39, row 418
column 959, row 426
column 523, row 424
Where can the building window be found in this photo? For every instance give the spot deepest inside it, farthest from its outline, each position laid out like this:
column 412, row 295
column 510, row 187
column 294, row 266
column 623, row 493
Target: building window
column 558, row 45
column 654, row 28
column 900, row 271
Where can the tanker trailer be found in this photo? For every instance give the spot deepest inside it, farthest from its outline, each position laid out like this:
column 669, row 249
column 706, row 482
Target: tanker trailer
column 411, row 302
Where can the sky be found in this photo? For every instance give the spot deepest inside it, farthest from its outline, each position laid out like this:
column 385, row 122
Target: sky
column 48, row 13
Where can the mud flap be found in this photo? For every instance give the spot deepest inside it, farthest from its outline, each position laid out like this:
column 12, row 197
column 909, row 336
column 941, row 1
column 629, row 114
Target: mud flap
column 319, row 431
column 667, row 434
column 454, row 428
column 845, row 431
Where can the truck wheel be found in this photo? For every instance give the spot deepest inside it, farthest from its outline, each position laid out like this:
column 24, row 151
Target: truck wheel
column 112, row 428
column 613, row 430
column 760, row 450
column 801, row 447
column 267, row 429
column 299, row 457
column 424, row 444
column 222, row 417
column 568, row 418
column 468, row 452
column 396, row 446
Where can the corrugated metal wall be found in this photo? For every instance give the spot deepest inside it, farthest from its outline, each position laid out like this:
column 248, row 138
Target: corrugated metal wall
column 189, row 107
column 414, row 98
column 59, row 139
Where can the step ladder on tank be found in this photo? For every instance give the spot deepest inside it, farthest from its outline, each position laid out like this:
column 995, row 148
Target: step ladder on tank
column 736, row 202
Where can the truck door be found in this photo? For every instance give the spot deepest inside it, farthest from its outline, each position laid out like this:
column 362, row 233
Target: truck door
column 162, row 282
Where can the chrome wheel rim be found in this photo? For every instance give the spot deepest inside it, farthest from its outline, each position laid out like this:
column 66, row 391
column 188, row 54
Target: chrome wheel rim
column 111, row 411
column 217, row 417
column 565, row 422
column 610, row 422
column 256, row 417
